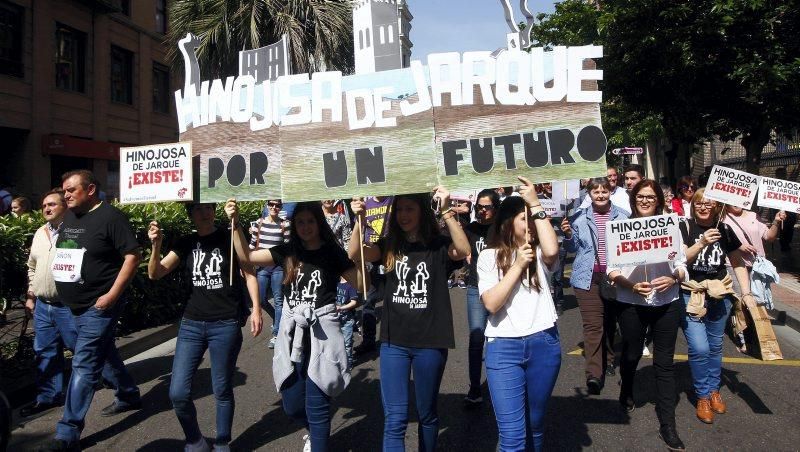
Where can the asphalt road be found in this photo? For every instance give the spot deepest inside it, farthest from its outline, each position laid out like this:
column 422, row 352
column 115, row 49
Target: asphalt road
column 763, row 405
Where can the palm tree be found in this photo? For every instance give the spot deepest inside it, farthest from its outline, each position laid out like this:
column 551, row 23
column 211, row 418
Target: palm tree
column 320, row 32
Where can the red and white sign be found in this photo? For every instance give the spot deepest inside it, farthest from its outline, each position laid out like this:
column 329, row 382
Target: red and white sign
column 640, row 241
column 779, row 194
column 732, row 187
column 156, row 173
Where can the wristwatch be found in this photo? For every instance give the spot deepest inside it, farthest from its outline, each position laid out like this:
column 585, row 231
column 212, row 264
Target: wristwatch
column 540, row 215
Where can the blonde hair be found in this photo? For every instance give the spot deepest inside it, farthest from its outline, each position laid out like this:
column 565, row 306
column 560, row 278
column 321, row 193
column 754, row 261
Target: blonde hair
column 717, row 212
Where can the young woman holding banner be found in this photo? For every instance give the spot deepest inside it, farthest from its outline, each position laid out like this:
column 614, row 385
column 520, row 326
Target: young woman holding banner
column 648, row 296
column 585, row 235
column 211, row 320
column 417, row 326
column 523, row 349
column 310, row 362
column 708, row 298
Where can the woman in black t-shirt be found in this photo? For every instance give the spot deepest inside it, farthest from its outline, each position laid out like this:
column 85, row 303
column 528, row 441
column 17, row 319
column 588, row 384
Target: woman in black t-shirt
column 210, row 320
column 708, row 242
column 417, row 326
column 310, row 362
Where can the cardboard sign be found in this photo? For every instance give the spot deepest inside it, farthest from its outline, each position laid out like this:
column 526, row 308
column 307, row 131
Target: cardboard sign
column 732, row 187
column 466, row 121
column 160, row 172
column 779, row 194
column 551, row 208
column 640, row 241
column 67, row 264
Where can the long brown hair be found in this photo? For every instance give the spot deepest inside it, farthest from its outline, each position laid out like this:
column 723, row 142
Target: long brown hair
column 292, row 264
column 396, row 243
column 501, row 238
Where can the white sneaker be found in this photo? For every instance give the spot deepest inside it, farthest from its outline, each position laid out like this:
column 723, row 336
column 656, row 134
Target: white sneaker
column 645, row 351
column 307, row 445
column 272, row 342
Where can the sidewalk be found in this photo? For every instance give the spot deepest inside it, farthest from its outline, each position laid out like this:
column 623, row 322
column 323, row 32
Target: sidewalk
column 786, row 294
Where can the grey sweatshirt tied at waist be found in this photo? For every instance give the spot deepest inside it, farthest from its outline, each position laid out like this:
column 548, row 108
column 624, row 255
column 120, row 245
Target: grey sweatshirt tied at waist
column 327, row 358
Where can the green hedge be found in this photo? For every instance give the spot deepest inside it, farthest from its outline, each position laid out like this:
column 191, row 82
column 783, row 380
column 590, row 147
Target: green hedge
column 150, row 303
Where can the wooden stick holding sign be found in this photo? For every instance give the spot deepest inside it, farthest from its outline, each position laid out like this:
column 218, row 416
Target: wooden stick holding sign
column 527, row 240
column 363, row 264
column 230, row 263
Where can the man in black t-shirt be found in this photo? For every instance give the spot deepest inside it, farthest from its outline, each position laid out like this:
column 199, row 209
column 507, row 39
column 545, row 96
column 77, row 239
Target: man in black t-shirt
column 96, row 257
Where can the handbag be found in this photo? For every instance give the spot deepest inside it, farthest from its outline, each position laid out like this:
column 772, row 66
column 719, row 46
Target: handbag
column 606, row 287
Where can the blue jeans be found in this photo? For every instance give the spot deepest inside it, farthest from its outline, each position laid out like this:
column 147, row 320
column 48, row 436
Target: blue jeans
column 348, row 321
column 223, row 339
column 305, row 402
column 271, row 278
column 477, row 315
column 55, row 329
column 95, row 356
column 396, row 365
column 522, row 372
column 704, row 338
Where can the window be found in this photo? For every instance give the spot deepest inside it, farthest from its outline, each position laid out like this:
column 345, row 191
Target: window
column 360, row 39
column 391, row 34
column 70, row 59
column 160, row 88
column 369, row 43
column 382, row 34
column 121, row 75
column 11, row 32
column 124, row 6
column 161, row 16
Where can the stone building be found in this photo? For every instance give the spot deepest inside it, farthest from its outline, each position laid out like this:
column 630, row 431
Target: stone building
column 381, row 35
column 79, row 79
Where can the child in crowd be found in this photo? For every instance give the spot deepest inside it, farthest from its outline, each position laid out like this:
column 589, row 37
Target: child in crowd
column 346, row 303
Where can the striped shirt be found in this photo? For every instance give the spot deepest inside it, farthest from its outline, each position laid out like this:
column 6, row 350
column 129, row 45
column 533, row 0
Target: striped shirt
column 270, row 234
column 600, row 220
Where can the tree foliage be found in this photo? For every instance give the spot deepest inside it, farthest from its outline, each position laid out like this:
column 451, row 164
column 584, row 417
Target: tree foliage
column 319, row 32
column 697, row 68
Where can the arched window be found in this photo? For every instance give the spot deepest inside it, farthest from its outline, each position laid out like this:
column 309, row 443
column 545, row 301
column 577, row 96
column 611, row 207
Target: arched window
column 360, row 39
column 390, row 32
column 381, row 32
column 369, row 41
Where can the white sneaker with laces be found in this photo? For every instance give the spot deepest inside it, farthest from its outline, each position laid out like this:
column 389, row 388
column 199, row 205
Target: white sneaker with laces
column 307, row 445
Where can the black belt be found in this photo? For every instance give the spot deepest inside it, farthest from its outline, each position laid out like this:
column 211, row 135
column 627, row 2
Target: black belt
column 54, row 303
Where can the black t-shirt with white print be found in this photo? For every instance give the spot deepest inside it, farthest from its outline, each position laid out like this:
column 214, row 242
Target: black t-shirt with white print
column 205, row 262
column 710, row 262
column 318, row 275
column 416, row 299
column 476, row 234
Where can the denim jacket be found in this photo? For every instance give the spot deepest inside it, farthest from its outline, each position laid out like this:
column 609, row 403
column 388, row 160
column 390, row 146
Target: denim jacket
column 582, row 244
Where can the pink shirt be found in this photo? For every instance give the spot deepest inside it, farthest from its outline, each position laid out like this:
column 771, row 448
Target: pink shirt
column 755, row 230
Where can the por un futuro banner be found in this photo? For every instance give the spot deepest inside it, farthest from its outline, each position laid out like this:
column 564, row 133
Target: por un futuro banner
column 466, row 121
column 779, row 194
column 732, row 187
column 160, row 172
column 640, row 241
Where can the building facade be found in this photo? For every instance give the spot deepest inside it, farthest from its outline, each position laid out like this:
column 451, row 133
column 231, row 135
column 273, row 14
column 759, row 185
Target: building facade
column 381, row 31
column 79, row 79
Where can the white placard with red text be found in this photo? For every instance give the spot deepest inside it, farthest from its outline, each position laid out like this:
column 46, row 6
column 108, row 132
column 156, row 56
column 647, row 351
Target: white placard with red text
column 779, row 194
column 640, row 241
column 155, row 173
column 732, row 187
column 551, row 208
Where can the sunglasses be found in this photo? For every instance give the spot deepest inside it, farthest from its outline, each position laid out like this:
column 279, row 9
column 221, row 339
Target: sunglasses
column 484, row 207
column 274, row 204
column 688, row 187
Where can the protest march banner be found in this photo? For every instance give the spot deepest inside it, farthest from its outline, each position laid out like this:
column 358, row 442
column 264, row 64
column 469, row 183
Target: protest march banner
column 640, row 241
column 155, row 173
column 779, row 194
column 732, row 187
column 466, row 121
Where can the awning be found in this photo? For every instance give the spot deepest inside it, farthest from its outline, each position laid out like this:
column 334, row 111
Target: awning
column 69, row 146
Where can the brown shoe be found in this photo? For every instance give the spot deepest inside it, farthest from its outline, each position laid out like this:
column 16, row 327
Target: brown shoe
column 704, row 412
column 717, row 405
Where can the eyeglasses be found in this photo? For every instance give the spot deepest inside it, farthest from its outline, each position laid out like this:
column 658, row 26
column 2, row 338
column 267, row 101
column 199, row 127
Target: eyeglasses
column 705, row 205
column 648, row 198
column 688, row 187
column 484, row 207
column 275, row 204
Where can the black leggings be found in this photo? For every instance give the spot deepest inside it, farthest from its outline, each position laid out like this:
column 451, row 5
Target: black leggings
column 664, row 322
